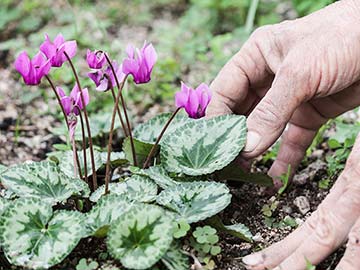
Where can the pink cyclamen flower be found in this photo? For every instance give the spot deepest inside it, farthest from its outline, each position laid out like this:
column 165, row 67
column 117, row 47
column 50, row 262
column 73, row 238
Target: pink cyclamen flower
column 193, row 101
column 140, row 62
column 95, row 59
column 55, row 50
column 32, row 70
column 72, row 102
column 105, row 79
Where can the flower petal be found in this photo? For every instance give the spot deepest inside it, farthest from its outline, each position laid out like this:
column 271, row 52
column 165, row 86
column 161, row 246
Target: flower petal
column 23, row 64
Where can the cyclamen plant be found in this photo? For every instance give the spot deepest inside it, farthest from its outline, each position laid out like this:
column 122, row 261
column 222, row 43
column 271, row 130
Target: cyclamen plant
column 174, row 161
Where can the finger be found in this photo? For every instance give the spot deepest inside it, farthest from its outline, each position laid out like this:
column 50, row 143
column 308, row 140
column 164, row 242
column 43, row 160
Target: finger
column 275, row 254
column 250, row 67
column 331, row 224
column 351, row 258
column 293, row 146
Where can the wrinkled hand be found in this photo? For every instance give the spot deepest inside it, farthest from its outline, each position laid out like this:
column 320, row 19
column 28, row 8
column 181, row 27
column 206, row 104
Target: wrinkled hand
column 300, row 73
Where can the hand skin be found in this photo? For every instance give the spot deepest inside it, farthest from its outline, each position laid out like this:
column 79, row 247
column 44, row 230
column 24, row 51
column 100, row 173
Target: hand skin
column 299, row 74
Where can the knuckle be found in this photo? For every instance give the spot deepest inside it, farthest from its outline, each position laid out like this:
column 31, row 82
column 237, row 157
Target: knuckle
column 261, row 33
column 268, row 115
column 324, row 231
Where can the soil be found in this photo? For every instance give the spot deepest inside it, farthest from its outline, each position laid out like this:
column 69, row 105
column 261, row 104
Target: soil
column 25, row 120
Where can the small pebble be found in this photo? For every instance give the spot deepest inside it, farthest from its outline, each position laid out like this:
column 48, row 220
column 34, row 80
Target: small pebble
column 303, row 204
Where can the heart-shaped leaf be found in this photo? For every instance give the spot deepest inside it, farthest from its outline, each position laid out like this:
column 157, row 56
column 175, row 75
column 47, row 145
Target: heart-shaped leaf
column 42, row 180
column 195, row 201
column 149, row 131
column 137, row 187
column 141, row 236
column 66, row 160
column 142, row 150
column 204, row 146
column 174, row 259
column 107, row 209
column 158, row 174
column 34, row 237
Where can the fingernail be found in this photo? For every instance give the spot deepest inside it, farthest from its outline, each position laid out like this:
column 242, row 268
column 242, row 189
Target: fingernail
column 253, row 259
column 252, row 140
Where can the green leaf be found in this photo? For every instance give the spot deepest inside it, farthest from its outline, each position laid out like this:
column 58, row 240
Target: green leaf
column 204, row 146
column 2, row 169
column 157, row 174
column 136, row 187
column 42, row 180
column 238, row 230
column 108, row 209
column 34, row 237
column 66, row 161
column 141, row 236
column 4, row 204
column 148, row 132
column 195, row 201
column 285, row 180
column 181, row 228
column 233, row 172
column 142, row 150
column 174, row 259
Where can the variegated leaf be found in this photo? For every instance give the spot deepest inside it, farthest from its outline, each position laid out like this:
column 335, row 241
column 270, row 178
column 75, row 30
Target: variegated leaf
column 3, row 168
column 158, row 174
column 174, row 259
column 137, row 188
column 42, row 180
column 204, row 146
column 107, row 209
column 195, row 201
column 141, row 236
column 66, row 161
column 149, row 131
column 34, row 237
column 4, row 203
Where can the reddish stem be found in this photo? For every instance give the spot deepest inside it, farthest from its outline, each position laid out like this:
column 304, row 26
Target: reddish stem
column 111, row 133
column 94, row 178
column 152, row 151
column 119, row 113
column 83, row 145
column 66, row 119
column 124, row 108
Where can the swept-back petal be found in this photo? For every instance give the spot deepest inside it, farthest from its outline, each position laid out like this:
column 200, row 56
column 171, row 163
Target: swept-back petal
column 23, row 64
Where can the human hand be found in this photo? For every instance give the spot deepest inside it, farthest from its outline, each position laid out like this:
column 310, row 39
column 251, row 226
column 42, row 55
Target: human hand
column 300, row 73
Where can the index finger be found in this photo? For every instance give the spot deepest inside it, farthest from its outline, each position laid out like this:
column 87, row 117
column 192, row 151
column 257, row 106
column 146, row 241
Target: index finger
column 248, row 69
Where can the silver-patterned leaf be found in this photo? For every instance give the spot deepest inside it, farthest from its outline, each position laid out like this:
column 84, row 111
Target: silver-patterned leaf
column 149, row 131
column 195, row 201
column 3, row 168
column 137, row 188
column 107, row 209
column 174, row 259
column 204, row 146
column 141, row 236
column 66, row 161
column 42, row 180
column 34, row 237
column 158, row 174
column 4, row 203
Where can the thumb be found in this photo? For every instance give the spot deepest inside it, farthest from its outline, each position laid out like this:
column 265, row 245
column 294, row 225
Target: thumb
column 269, row 118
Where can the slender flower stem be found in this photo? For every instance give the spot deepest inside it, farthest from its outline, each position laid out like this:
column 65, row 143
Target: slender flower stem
column 83, row 145
column 74, row 155
column 94, row 178
column 119, row 113
column 152, row 151
column 65, row 117
column 124, row 108
column 116, row 106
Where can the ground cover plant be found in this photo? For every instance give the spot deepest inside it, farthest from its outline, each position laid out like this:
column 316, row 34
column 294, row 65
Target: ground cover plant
column 193, row 40
column 145, row 214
